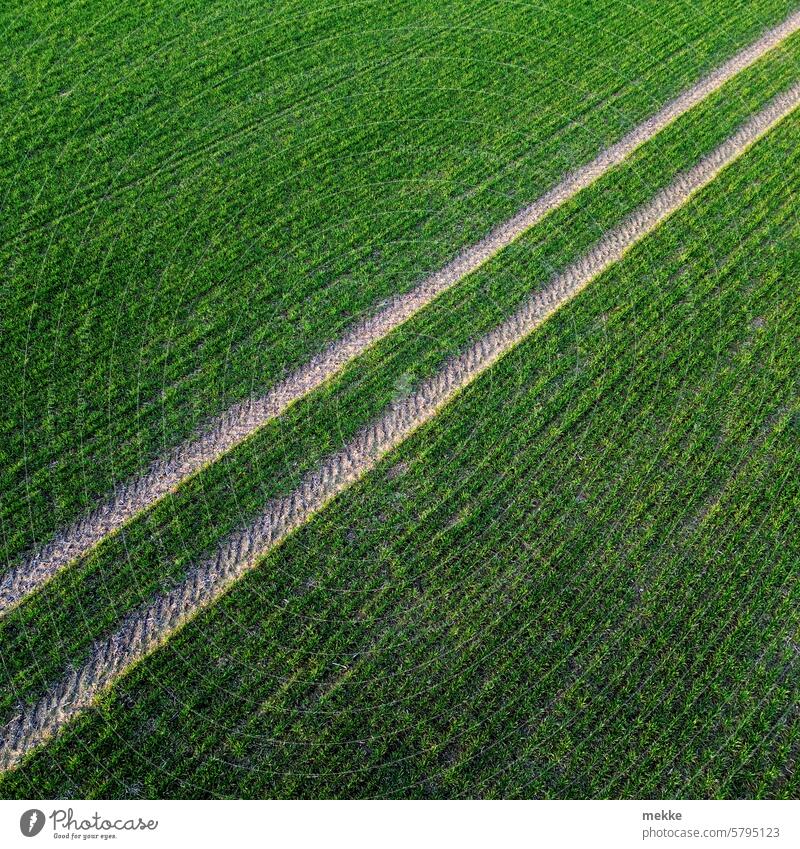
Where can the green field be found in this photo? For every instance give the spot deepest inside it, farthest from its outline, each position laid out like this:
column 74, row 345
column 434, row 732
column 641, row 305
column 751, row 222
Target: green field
column 197, row 198
column 580, row 580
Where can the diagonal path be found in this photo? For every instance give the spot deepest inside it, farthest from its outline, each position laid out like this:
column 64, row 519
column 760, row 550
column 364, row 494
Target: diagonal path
column 244, row 419
column 145, row 630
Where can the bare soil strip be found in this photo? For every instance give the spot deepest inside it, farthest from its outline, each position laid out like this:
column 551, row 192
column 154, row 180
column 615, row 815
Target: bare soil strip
column 144, row 630
column 246, row 418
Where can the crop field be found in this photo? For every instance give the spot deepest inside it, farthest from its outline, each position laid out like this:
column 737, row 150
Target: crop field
column 401, row 400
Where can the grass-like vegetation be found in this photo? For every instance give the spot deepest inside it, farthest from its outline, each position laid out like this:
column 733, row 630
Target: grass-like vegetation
column 40, row 638
column 578, row 581
column 196, row 198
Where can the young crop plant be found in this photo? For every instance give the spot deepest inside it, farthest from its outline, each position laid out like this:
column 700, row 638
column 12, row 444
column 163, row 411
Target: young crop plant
column 401, row 402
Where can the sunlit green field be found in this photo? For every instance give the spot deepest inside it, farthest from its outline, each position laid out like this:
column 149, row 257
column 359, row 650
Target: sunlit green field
column 196, row 196
column 581, row 579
